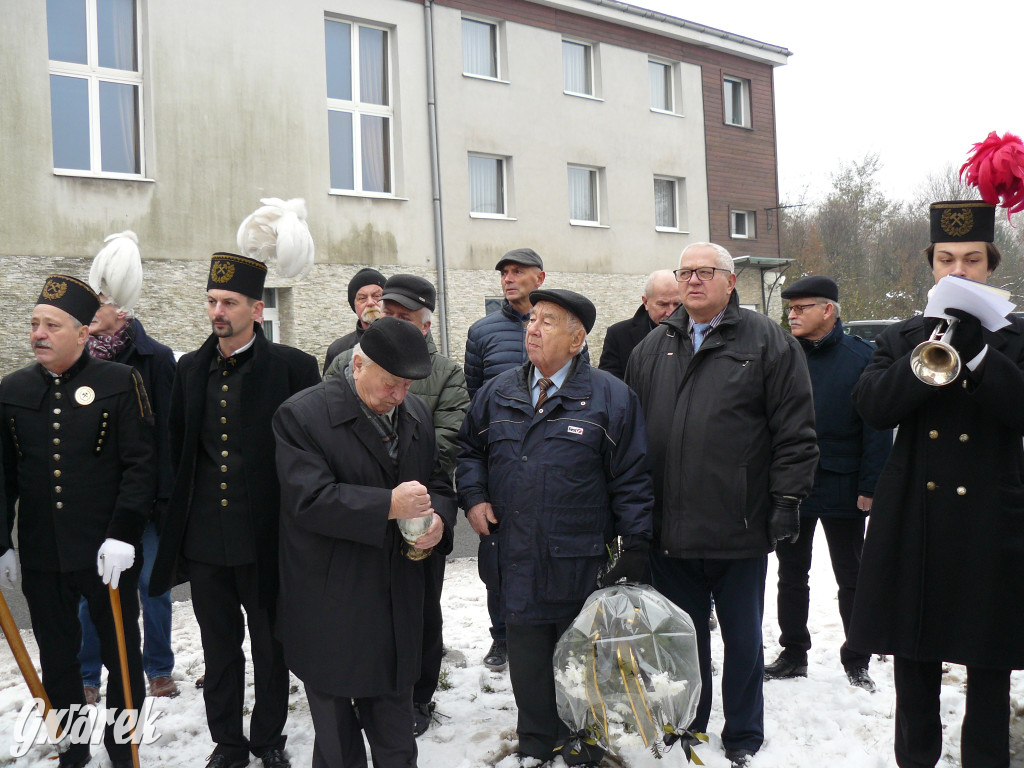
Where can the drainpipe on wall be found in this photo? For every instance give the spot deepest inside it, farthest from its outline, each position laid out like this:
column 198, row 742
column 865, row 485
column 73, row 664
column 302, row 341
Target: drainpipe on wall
column 435, row 179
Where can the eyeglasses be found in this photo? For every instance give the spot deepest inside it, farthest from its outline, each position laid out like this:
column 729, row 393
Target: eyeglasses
column 799, row 309
column 704, row 274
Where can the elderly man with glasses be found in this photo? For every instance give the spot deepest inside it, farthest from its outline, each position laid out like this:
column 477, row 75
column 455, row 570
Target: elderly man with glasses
column 730, row 419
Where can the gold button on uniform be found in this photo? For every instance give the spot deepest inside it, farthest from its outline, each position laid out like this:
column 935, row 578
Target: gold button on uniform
column 933, row 434
column 964, row 438
column 223, row 387
column 223, row 486
column 56, row 457
column 930, row 486
column 56, row 412
column 224, row 454
column 224, row 438
column 56, row 425
column 223, row 468
column 60, row 505
column 58, row 395
column 223, row 403
column 223, row 502
column 58, row 489
column 56, row 441
column 223, row 419
column 56, row 473
column 961, row 491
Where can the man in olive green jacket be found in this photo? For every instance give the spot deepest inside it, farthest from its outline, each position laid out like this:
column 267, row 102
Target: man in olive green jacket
column 412, row 298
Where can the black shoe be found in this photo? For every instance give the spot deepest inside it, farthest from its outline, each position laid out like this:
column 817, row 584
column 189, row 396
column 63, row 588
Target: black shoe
column 785, row 667
column 222, row 761
column 497, row 657
column 739, row 758
column 422, row 715
column 67, row 760
column 859, row 677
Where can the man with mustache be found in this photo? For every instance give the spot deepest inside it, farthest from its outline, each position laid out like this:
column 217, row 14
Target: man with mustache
column 364, row 296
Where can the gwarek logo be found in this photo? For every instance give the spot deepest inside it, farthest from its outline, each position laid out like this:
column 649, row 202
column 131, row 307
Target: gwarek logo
column 82, row 723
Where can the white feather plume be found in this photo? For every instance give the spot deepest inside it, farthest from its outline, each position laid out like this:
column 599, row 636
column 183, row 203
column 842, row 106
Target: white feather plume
column 277, row 232
column 116, row 271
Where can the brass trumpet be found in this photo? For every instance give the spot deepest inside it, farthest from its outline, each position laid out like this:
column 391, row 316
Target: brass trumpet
column 935, row 361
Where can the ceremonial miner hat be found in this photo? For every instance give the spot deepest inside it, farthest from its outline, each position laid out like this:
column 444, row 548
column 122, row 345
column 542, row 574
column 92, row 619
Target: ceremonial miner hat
column 231, row 272
column 410, row 291
column 116, row 271
column 398, row 347
column 72, row 295
column 962, row 221
column 574, row 302
column 364, row 277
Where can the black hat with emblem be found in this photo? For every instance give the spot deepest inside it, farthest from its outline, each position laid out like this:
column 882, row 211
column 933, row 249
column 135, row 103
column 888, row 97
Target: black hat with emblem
column 962, row 221
column 72, row 295
column 398, row 347
column 231, row 272
column 582, row 307
column 410, row 291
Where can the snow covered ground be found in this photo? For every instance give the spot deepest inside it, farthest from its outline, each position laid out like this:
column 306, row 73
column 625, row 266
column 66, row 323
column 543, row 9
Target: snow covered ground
column 819, row 721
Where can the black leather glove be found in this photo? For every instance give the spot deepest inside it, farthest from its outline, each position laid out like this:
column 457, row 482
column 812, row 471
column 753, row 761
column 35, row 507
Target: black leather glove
column 784, row 520
column 633, row 564
column 966, row 338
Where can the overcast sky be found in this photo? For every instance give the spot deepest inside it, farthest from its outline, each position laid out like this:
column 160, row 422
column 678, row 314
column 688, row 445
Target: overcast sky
column 916, row 82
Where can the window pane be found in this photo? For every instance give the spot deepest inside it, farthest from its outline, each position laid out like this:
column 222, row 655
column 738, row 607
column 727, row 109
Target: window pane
column 339, row 132
column 739, row 224
column 576, row 67
column 270, row 298
column 376, row 154
column 115, row 26
column 665, row 203
column 338, row 42
column 486, row 185
column 119, row 128
column 661, row 83
column 479, row 49
column 373, row 66
column 69, row 114
column 582, row 195
column 65, row 31
column 735, row 111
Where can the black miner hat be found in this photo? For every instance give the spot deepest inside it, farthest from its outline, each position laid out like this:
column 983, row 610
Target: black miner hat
column 813, row 287
column 398, row 347
column 962, row 221
column 574, row 302
column 231, row 272
column 72, row 295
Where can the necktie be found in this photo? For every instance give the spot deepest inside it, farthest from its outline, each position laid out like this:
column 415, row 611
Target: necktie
column 543, row 384
column 699, row 329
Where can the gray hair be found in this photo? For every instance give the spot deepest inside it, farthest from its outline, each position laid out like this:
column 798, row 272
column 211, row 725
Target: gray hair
column 426, row 315
column 723, row 259
column 839, row 309
column 358, row 350
column 653, row 277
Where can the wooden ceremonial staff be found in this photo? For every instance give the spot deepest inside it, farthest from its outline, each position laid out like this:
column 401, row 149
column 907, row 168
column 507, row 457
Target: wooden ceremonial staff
column 28, row 669
column 122, row 654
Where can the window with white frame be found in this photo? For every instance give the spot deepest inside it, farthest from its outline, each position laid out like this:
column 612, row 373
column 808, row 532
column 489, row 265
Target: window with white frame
column 577, row 68
column 95, row 86
column 584, row 195
column 669, row 203
column 487, row 191
column 271, row 315
column 737, row 101
column 479, row 48
column 743, row 224
column 662, row 88
column 360, row 114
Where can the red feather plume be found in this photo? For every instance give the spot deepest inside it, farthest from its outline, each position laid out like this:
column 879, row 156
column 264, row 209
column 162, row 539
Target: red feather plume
column 996, row 168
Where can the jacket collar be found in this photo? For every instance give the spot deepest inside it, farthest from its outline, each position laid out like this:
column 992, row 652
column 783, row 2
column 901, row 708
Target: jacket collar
column 827, row 341
column 577, row 384
column 680, row 320
column 509, row 311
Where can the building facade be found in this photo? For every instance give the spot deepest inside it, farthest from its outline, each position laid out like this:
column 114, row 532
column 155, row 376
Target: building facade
column 427, row 137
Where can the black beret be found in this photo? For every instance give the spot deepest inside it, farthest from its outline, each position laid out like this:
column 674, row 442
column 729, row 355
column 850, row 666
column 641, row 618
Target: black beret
column 410, row 291
column 525, row 256
column 574, row 302
column 365, row 276
column 231, row 272
column 398, row 347
column 962, row 221
column 813, row 286
column 72, row 295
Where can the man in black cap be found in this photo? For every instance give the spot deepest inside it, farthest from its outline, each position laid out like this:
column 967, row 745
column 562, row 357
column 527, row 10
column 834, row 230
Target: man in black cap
column 80, row 468
column 851, row 456
column 940, row 579
column 354, row 454
column 223, row 514
column 364, row 295
column 411, row 298
column 553, row 462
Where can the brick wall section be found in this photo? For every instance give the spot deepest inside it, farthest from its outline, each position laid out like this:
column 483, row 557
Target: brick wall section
column 741, row 162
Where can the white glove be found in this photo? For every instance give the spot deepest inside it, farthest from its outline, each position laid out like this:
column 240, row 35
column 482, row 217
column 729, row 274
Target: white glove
column 114, row 556
column 9, row 568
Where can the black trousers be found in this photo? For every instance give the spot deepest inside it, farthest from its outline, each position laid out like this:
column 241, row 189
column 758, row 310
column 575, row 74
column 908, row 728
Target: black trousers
column 530, row 651
column 433, row 640
column 53, row 600
column 984, row 736
column 845, row 537
column 386, row 720
column 738, row 590
column 219, row 593
column 489, row 568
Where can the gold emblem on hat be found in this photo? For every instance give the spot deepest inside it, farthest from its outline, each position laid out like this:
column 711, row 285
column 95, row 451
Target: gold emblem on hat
column 222, row 271
column 957, row 222
column 54, row 290
column 84, row 395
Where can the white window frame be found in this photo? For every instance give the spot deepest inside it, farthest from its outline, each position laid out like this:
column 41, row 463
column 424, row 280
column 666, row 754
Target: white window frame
column 94, row 75
column 590, row 62
column 596, row 184
column 504, row 165
column 498, row 52
column 272, row 313
column 358, row 109
column 671, row 87
column 748, row 227
column 743, row 120
column 679, row 204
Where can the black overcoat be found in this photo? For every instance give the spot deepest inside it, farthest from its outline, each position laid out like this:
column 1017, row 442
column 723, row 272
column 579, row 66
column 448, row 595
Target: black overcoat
column 619, row 340
column 350, row 613
column 277, row 373
column 942, row 576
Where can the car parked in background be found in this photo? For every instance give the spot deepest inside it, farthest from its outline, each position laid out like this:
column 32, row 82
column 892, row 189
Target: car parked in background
column 866, row 329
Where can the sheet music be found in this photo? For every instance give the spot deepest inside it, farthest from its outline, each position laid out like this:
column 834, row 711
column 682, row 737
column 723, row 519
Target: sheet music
column 989, row 304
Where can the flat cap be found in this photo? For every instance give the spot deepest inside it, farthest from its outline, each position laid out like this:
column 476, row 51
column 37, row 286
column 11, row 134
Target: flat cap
column 525, row 256
column 813, row 286
column 574, row 302
column 410, row 291
column 365, row 276
column 398, row 347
